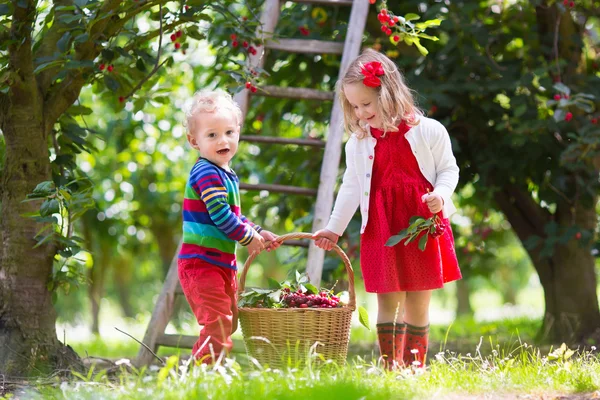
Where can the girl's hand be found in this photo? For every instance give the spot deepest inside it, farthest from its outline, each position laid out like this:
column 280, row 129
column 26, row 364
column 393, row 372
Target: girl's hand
column 325, row 239
column 434, row 201
column 270, row 237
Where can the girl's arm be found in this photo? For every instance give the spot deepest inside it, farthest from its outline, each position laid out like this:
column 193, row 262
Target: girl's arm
column 446, row 169
column 348, row 197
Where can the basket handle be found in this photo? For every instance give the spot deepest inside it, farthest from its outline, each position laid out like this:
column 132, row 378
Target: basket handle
column 302, row 235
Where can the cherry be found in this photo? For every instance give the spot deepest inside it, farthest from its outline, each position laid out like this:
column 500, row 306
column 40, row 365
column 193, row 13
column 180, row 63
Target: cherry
column 101, row 67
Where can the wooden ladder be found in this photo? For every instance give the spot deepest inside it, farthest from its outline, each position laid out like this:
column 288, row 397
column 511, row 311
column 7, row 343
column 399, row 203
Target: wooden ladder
column 155, row 333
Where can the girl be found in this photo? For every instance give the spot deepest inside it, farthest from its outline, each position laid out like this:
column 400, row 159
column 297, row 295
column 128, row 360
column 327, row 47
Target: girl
column 399, row 164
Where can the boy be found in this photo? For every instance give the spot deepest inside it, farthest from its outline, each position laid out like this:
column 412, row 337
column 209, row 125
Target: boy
column 213, row 223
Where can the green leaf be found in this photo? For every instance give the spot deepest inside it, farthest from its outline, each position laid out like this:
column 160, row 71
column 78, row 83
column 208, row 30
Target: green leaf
column 426, row 36
column 415, row 225
column 559, row 115
column 585, row 105
column 44, row 188
column 412, row 17
column 82, row 38
column 420, row 47
column 79, row 110
column 111, row 83
column 108, row 55
column 423, row 242
column 47, row 65
column 394, row 240
column 426, row 24
column 5, row 9
column 139, row 64
column 363, row 317
column 414, row 218
column 561, row 87
column 312, row 288
column 273, row 284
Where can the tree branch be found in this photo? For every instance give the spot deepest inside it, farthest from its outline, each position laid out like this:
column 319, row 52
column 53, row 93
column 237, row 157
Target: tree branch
column 48, row 44
column 60, row 97
column 20, row 54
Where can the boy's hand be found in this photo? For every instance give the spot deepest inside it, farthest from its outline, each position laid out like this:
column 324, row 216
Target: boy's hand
column 325, row 239
column 270, row 237
column 434, row 201
column 257, row 244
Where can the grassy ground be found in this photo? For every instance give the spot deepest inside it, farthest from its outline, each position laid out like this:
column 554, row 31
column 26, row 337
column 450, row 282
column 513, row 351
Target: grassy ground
column 507, row 372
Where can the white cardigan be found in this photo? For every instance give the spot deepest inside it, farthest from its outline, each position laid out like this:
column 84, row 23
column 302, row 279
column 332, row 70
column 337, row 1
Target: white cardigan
column 430, row 143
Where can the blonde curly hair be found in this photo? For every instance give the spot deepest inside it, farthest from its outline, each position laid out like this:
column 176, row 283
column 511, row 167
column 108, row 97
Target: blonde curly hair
column 395, row 99
column 209, row 101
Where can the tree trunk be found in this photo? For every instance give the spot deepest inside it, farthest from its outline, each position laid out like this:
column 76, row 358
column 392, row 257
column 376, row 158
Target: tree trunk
column 28, row 342
column 463, row 302
column 568, row 277
column 123, row 271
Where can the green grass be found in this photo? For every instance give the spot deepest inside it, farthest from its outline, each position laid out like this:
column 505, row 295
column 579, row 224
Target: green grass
column 466, row 359
column 517, row 369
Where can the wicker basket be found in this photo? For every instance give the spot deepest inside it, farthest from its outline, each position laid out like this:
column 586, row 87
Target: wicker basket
column 279, row 337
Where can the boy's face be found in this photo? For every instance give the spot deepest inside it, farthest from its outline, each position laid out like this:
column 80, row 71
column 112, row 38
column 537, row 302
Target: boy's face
column 216, row 136
column 365, row 103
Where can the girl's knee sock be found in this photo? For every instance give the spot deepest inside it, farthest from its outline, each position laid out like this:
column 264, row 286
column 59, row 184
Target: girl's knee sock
column 416, row 343
column 391, row 343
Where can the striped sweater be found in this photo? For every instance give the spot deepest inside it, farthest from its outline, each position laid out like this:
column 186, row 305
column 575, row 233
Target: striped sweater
column 212, row 220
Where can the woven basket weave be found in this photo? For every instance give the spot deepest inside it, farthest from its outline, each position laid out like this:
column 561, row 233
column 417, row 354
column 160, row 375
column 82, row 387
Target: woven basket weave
column 280, row 337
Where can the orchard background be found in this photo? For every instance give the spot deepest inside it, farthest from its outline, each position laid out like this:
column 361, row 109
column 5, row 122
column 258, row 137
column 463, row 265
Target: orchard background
column 92, row 99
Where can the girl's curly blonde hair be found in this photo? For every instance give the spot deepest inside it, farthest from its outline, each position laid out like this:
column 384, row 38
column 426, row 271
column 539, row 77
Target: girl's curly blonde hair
column 210, row 101
column 395, row 99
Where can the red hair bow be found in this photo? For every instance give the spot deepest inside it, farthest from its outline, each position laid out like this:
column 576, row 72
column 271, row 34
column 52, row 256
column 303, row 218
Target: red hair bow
column 372, row 71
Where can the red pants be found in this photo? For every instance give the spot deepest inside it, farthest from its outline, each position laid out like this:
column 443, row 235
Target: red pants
column 212, row 294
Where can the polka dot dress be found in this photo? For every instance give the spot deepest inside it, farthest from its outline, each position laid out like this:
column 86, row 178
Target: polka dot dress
column 396, row 188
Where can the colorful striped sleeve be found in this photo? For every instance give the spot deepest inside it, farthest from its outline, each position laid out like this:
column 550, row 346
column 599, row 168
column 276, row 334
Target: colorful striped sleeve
column 212, row 191
column 256, row 227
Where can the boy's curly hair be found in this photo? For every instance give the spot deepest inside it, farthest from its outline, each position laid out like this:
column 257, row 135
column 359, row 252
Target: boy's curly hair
column 209, row 101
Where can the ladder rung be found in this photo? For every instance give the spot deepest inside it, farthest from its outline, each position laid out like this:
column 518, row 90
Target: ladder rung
column 326, row 2
column 279, row 140
column 183, row 341
column 306, row 46
column 294, row 93
column 279, row 189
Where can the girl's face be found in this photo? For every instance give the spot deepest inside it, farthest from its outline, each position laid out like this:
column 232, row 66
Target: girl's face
column 365, row 103
column 216, row 136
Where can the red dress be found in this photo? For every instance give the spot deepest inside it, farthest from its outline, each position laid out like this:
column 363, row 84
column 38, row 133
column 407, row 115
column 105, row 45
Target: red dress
column 396, row 188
